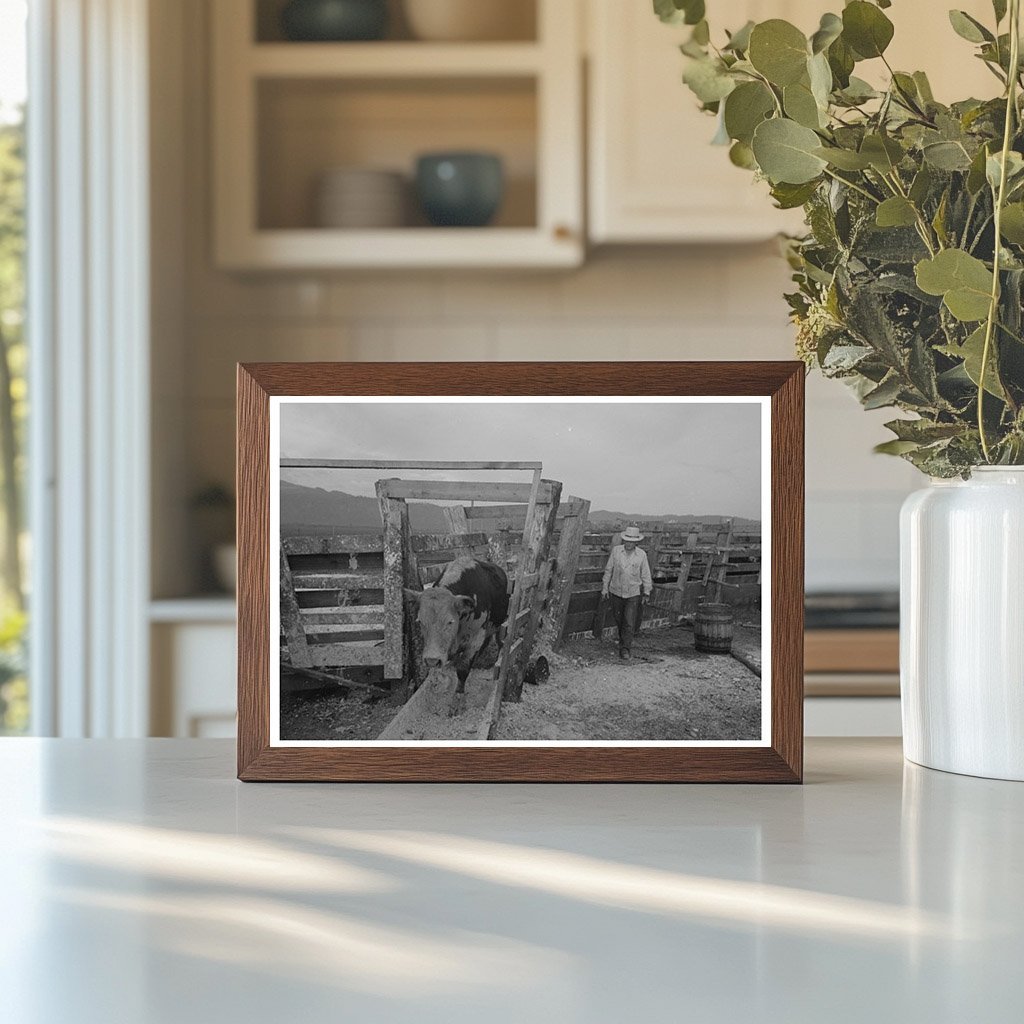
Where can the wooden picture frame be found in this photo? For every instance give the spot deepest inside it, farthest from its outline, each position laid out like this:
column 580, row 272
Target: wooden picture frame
column 779, row 759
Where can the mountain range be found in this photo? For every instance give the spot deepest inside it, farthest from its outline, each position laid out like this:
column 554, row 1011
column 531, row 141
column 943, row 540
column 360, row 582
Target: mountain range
column 315, row 507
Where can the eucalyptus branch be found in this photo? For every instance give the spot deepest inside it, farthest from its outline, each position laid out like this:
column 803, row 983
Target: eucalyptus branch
column 1000, row 199
column 853, row 185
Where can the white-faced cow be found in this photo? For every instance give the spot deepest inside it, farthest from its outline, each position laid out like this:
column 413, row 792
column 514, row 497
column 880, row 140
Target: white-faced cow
column 458, row 617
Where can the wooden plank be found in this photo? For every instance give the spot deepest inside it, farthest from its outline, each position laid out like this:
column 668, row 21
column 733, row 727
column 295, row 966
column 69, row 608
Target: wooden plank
column 343, row 634
column 344, row 655
column 338, row 581
column 425, row 542
column 436, row 712
column 343, row 613
column 455, row 517
column 341, row 544
column 394, row 581
column 444, row 490
column 566, row 510
column 402, row 464
column 291, row 621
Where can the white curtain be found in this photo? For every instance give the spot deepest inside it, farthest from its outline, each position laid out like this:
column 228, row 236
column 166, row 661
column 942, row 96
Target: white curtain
column 88, row 318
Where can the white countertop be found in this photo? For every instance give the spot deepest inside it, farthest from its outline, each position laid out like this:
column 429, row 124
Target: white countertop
column 143, row 885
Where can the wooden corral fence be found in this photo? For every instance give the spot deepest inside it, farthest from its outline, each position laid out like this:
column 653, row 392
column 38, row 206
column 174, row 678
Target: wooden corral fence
column 703, row 560
column 342, row 597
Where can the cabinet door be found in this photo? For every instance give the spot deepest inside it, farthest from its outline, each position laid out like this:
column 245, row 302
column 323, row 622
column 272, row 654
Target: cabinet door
column 654, row 175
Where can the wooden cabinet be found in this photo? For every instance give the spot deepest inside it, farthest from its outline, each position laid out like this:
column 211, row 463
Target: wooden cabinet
column 286, row 113
column 653, row 175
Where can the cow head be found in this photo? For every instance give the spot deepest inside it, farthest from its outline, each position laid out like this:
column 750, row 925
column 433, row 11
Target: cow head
column 439, row 613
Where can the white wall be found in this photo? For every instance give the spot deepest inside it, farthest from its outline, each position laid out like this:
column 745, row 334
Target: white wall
column 656, row 303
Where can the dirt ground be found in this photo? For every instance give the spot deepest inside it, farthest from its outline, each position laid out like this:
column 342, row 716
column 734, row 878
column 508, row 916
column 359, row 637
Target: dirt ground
column 667, row 691
column 326, row 714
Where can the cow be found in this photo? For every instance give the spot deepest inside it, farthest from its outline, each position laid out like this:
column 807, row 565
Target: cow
column 458, row 617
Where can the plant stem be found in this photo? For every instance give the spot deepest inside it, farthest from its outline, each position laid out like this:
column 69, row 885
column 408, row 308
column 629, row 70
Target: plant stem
column 855, row 187
column 993, row 309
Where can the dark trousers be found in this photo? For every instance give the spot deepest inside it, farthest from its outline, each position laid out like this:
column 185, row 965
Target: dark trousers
column 625, row 611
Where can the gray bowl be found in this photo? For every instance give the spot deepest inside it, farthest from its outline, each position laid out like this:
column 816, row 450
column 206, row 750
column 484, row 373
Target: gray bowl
column 461, row 190
column 334, row 20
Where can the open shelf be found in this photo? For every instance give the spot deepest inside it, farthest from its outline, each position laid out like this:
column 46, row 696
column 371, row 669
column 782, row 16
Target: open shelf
column 520, row 17
column 286, row 114
column 308, row 127
column 392, row 60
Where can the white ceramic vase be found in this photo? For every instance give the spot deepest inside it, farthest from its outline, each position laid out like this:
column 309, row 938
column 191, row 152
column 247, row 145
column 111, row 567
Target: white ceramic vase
column 962, row 624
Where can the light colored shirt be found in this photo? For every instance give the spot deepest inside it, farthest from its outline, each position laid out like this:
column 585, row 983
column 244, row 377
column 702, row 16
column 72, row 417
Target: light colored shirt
column 627, row 573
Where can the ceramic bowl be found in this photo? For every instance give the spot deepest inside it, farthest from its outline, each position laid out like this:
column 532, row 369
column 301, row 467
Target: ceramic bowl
column 471, row 20
column 358, row 197
column 334, row 20
column 460, row 189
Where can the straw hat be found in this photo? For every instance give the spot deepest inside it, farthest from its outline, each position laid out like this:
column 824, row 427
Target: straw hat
column 632, row 534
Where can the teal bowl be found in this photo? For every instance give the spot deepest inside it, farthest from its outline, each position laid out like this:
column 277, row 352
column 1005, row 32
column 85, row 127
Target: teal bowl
column 334, row 21
column 460, row 190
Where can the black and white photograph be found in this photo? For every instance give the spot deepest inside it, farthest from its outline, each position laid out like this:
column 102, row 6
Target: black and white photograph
column 520, row 571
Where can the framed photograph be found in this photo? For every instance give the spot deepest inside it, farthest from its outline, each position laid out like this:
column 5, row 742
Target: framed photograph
column 519, row 572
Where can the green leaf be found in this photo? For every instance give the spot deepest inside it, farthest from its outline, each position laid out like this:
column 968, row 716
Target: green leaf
column 1014, row 169
column 820, row 77
column 884, row 395
column 800, row 105
column 745, row 108
column 946, row 156
column 969, row 28
column 858, row 91
column 844, row 159
column 971, row 352
column 895, row 447
column 921, row 185
column 923, row 431
column 963, row 281
column 742, row 155
column 785, row 152
column 883, row 153
column 778, row 50
column 708, row 80
column 676, row 12
column 789, row 197
column 976, row 174
column 924, row 87
column 1012, row 224
column 739, row 41
column 896, row 212
column 829, row 30
column 841, row 60
column 939, row 220
column 866, row 29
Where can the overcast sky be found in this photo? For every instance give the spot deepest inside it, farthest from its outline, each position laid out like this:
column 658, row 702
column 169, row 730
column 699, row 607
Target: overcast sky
column 637, row 458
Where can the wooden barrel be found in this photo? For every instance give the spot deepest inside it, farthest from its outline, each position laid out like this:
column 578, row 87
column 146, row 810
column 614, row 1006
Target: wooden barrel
column 712, row 628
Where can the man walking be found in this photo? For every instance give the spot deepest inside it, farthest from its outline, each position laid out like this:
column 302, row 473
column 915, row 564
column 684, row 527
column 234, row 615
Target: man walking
column 627, row 579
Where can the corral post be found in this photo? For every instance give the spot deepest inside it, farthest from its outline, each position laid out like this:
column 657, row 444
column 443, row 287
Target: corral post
column 540, row 550
column 511, row 656
column 394, row 580
column 291, row 617
column 567, row 560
